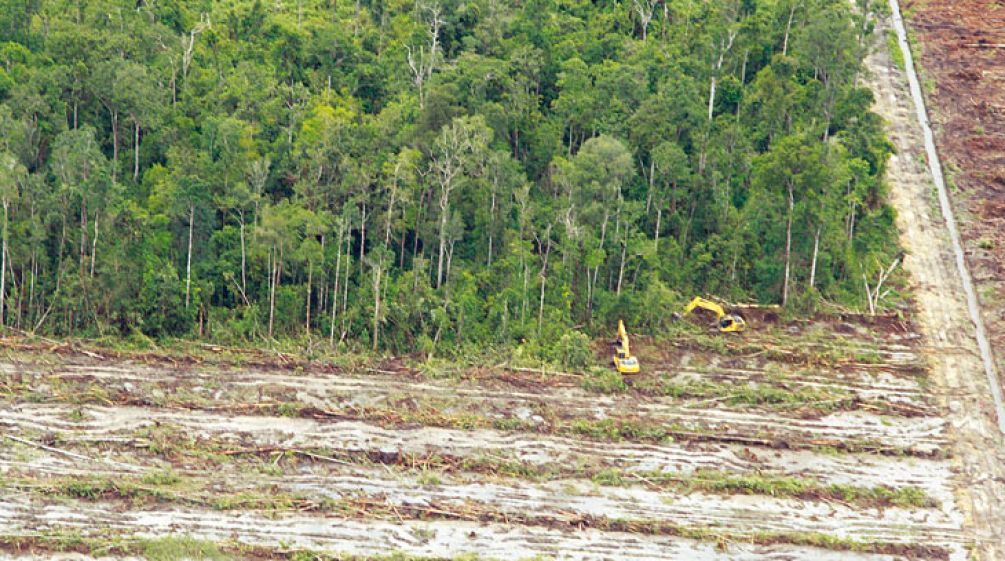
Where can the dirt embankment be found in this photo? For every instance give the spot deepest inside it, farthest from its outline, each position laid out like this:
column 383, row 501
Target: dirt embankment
column 960, row 46
column 958, row 376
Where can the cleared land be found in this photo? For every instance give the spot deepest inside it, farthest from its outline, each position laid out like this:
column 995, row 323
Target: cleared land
column 805, row 440
column 831, row 439
column 960, row 45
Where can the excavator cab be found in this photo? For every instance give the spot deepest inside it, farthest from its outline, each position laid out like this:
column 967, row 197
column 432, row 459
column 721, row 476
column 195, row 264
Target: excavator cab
column 726, row 323
column 623, row 359
column 730, row 324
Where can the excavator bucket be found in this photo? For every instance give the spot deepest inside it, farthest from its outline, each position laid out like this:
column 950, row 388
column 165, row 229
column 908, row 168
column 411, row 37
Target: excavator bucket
column 623, row 359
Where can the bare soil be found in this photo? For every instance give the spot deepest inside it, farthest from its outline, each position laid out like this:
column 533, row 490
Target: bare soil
column 510, row 464
column 488, row 461
column 961, row 46
column 957, row 375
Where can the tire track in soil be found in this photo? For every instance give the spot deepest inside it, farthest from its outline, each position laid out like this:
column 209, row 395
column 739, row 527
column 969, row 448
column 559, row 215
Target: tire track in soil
column 863, row 386
column 369, row 537
column 122, row 423
column 918, row 435
column 575, row 498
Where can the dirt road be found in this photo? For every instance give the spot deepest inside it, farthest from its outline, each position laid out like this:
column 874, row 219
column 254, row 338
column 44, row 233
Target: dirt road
column 957, row 368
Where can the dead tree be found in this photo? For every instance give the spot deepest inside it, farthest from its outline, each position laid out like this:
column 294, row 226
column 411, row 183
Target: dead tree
column 422, row 60
column 875, row 293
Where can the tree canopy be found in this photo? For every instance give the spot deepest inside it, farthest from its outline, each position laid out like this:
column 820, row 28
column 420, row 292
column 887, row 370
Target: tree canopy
column 406, row 175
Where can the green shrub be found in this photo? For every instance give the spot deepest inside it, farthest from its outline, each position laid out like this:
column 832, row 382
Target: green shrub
column 572, row 350
column 605, row 381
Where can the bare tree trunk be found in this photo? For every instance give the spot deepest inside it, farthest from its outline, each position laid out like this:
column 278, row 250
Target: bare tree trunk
column 725, row 48
column 335, row 293
column 83, row 234
column 788, row 247
column 851, row 221
column 656, row 232
column 711, row 98
column 788, row 28
column 621, row 268
column 540, row 308
column 94, row 243
column 188, row 266
column 322, row 285
column 3, row 264
column 136, row 152
column 31, row 287
column 492, row 215
column 376, row 303
column 390, row 209
column 651, row 180
column 526, row 280
column 450, row 258
column 546, row 248
column 596, row 270
column 274, row 282
column 115, row 144
column 816, row 251
column 310, row 278
column 362, row 240
column 244, row 261
column 874, row 295
column 444, row 207
column 59, row 262
column 345, row 284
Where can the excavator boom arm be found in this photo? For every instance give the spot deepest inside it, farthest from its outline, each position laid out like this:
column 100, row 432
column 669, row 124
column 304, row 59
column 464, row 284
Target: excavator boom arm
column 700, row 302
column 623, row 336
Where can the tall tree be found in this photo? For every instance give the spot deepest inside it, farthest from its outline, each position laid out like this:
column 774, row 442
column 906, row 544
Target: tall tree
column 459, row 148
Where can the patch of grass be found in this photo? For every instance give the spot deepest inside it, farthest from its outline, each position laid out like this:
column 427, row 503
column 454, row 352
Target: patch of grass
column 609, row 429
column 185, row 548
column 87, row 489
column 181, row 549
column 868, row 356
column 289, row 409
column 821, row 400
column 161, row 477
column 605, row 381
column 428, row 477
column 440, row 369
column 269, row 469
column 101, row 488
column 609, row 477
column 76, row 415
column 893, row 44
column 725, row 483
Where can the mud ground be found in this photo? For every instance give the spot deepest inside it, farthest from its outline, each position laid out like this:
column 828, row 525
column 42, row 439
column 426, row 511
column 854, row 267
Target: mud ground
column 957, row 373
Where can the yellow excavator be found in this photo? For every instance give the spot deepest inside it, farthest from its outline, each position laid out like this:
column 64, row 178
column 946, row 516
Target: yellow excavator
column 623, row 359
column 726, row 323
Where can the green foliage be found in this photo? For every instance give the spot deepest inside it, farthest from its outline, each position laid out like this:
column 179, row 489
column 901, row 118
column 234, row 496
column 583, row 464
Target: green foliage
column 572, row 350
column 895, row 53
column 536, row 172
column 606, row 381
column 164, row 477
column 181, row 548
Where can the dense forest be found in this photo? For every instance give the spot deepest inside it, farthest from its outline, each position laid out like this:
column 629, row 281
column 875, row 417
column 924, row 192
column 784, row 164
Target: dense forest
column 408, row 174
